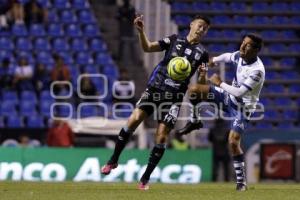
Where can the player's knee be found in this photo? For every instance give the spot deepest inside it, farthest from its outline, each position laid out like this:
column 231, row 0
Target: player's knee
column 135, row 119
column 234, row 142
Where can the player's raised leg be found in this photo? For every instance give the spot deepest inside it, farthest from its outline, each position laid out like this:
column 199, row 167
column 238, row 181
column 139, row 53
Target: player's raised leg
column 234, row 141
column 197, row 93
column 126, row 132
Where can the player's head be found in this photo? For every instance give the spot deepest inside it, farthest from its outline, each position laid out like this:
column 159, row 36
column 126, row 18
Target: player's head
column 199, row 26
column 251, row 45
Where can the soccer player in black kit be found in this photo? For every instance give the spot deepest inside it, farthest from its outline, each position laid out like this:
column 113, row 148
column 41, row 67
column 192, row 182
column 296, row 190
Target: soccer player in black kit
column 162, row 94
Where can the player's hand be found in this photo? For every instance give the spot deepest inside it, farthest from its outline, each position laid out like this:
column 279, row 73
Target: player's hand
column 211, row 63
column 203, row 69
column 215, row 79
column 139, row 23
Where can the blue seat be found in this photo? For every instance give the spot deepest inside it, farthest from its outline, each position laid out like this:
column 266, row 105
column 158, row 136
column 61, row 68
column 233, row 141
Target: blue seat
column 124, row 111
column 27, row 108
column 23, row 44
column 288, row 62
column 44, row 3
column 55, row 30
column 222, row 19
column 7, row 108
column 14, row 122
column 271, row 34
column 285, row 125
column 280, row 20
column 97, row 45
column 261, row 20
column 197, row 6
column 295, row 47
column 90, row 69
column 52, row 16
column 27, row 55
column 280, row 6
column 275, row 88
column 61, row 4
column 44, row 57
column 271, row 114
column 111, row 71
column 73, row 30
column 64, row 111
column 239, row 19
column 74, row 72
column 67, row 16
column 294, row 88
column 78, row 44
column 264, row 125
column 289, row 75
column 83, row 58
column 88, row 111
column 182, row 6
column 266, row 101
column 28, row 96
column 10, row 96
column 91, row 30
column 45, row 107
column 267, row 61
column 290, row 114
column 41, row 44
column 218, row 6
column 86, row 17
column 60, row 44
column 182, row 20
column 67, row 57
column 272, row 75
column 295, row 6
column 103, row 59
column 19, row 30
column 283, row 101
column 45, row 95
column 80, row 4
column 35, row 122
column 295, row 20
column 260, row 6
column 238, row 6
column 277, row 48
column 37, row 30
column 289, row 34
column 6, row 43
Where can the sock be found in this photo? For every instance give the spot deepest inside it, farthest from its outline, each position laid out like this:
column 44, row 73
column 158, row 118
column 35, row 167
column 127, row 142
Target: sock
column 155, row 156
column 239, row 167
column 123, row 138
column 194, row 112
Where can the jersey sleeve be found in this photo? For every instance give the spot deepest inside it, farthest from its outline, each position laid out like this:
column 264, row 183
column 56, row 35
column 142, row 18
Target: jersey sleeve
column 253, row 80
column 165, row 43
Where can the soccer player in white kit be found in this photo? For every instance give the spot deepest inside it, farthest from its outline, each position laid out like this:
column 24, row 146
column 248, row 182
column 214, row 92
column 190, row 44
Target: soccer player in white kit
column 238, row 100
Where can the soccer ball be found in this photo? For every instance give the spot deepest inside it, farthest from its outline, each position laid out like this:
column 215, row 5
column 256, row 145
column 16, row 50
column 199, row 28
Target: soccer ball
column 179, row 68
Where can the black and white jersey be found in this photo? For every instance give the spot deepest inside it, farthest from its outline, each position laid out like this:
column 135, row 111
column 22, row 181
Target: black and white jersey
column 176, row 46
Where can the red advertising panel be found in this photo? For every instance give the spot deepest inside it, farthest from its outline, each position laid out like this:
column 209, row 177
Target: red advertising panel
column 277, row 161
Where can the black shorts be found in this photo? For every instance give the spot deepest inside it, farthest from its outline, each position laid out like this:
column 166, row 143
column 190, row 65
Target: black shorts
column 164, row 105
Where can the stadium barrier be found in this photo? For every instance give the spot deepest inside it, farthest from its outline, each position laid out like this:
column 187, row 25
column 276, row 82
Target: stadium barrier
column 83, row 164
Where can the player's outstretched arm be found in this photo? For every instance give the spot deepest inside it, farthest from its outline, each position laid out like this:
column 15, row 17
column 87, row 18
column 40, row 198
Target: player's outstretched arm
column 225, row 57
column 235, row 91
column 147, row 45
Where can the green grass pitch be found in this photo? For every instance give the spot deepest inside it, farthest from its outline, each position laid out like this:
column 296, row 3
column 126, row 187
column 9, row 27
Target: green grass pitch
column 126, row 191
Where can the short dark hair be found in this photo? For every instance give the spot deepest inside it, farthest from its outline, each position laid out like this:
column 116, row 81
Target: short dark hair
column 203, row 18
column 257, row 39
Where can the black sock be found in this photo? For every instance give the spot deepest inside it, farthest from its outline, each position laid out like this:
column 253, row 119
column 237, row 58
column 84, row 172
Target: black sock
column 239, row 167
column 120, row 144
column 155, row 156
column 194, row 112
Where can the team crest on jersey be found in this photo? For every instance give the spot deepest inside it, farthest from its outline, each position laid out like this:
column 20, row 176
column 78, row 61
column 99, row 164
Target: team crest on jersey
column 188, row 51
column 178, row 46
column 167, row 40
column 197, row 56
